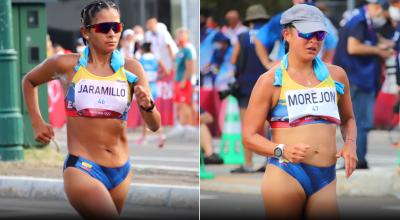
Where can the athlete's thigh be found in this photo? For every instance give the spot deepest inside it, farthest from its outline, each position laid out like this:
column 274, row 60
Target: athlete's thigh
column 120, row 192
column 323, row 204
column 88, row 195
column 283, row 196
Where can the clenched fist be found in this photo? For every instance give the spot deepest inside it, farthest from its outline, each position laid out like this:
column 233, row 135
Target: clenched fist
column 143, row 96
column 295, row 153
column 43, row 132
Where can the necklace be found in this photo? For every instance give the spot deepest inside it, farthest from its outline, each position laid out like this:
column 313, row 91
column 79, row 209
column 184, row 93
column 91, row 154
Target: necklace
column 307, row 78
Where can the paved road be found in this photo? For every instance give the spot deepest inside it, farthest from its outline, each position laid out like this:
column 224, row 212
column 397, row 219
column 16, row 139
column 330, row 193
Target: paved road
column 218, row 205
column 178, row 154
column 59, row 209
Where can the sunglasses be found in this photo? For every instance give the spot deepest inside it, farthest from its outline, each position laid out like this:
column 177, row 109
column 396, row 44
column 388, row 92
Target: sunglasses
column 106, row 26
column 320, row 35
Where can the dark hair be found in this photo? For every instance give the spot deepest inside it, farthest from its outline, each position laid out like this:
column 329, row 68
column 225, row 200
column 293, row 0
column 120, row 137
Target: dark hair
column 91, row 9
column 286, row 44
column 146, row 47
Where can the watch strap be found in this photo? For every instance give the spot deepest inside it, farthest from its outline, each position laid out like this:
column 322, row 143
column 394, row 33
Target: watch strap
column 149, row 109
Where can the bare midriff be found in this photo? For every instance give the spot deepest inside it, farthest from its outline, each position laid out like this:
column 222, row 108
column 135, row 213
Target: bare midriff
column 320, row 137
column 100, row 140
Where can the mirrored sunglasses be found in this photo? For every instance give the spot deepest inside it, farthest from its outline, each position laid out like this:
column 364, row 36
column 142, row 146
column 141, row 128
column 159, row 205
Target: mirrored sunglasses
column 106, row 26
column 319, row 35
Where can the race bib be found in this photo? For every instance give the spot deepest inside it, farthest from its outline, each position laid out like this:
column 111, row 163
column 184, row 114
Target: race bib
column 311, row 102
column 98, row 94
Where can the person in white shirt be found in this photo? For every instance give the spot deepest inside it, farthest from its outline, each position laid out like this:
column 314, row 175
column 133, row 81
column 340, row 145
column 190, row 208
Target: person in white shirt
column 163, row 46
column 127, row 44
column 139, row 40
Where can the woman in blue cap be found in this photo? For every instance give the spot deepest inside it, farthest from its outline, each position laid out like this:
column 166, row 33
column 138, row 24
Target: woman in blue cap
column 101, row 84
column 304, row 100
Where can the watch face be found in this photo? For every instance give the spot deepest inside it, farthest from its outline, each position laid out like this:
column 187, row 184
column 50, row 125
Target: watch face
column 278, row 152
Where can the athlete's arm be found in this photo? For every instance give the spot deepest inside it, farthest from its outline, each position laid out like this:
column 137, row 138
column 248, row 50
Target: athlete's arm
column 42, row 73
column 259, row 105
column 348, row 126
column 142, row 93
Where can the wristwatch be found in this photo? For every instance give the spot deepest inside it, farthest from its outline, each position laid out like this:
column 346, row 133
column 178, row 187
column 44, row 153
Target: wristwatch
column 149, row 109
column 278, row 151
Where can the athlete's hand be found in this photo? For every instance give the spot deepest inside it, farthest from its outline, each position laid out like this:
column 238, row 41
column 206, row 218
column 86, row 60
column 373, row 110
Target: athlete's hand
column 142, row 96
column 295, row 153
column 43, row 132
column 348, row 152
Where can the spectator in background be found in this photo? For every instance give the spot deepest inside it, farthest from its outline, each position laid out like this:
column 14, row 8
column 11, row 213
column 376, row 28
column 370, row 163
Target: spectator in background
column 183, row 86
column 58, row 49
column 127, row 44
column 163, row 46
column 204, row 30
column 359, row 53
column 151, row 68
column 208, row 29
column 220, row 67
column 330, row 43
column 393, row 63
column 139, row 39
column 248, row 69
column 206, row 139
column 394, row 13
column 234, row 26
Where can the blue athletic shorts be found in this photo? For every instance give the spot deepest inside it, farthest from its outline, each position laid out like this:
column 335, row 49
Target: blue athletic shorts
column 311, row 178
column 110, row 177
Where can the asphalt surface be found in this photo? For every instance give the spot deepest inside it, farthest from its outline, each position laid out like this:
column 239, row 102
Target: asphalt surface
column 11, row 208
column 181, row 151
column 218, row 205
